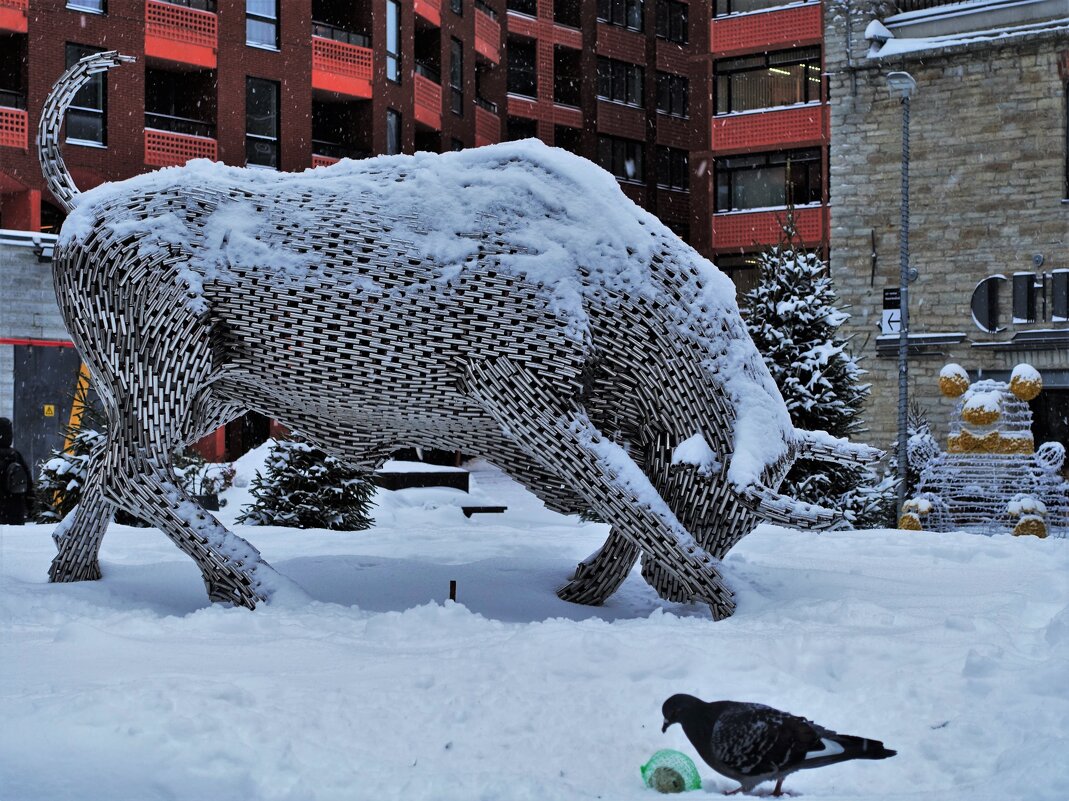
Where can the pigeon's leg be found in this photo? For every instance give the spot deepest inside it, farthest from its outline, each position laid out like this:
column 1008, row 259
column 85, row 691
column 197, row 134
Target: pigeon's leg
column 558, row 433
column 736, row 791
column 779, row 787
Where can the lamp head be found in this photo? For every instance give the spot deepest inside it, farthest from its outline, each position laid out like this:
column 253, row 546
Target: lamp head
column 901, row 84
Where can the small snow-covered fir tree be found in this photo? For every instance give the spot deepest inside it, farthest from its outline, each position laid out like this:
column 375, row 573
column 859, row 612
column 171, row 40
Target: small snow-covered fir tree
column 794, row 320
column 304, row 488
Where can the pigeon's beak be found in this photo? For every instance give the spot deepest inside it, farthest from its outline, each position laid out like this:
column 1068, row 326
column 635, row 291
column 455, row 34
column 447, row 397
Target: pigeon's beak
column 664, row 727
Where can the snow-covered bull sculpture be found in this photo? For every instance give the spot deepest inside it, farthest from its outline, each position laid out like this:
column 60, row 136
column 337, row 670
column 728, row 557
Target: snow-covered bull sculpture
column 507, row 301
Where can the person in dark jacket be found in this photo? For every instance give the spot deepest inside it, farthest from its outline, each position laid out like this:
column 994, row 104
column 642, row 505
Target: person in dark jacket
column 16, row 481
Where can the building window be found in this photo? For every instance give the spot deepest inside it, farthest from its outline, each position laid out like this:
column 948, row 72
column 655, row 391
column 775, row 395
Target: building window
column 456, row 77
column 520, row 128
column 620, row 81
column 522, row 74
column 566, row 12
column 766, row 80
column 261, row 123
column 672, row 21
column 621, row 157
column 625, row 13
column 393, row 132
column 744, row 269
column 673, row 94
column 528, row 7
column 757, row 180
column 724, row 7
column 92, row 6
column 393, row 41
column 261, row 23
column 457, row 6
column 673, row 168
column 87, row 115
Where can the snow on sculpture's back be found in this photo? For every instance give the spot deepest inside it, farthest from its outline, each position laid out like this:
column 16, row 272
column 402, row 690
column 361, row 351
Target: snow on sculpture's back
column 991, row 478
column 507, row 301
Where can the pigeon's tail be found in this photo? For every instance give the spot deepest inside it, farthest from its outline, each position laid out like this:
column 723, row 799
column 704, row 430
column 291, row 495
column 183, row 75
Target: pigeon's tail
column 843, row 747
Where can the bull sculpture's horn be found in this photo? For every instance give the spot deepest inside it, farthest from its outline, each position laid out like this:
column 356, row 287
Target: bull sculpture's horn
column 826, row 448
column 819, row 445
column 56, row 174
column 787, row 511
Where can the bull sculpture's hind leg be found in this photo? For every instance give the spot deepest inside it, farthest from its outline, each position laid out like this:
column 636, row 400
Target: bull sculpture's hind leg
column 153, row 389
column 560, row 435
column 79, row 534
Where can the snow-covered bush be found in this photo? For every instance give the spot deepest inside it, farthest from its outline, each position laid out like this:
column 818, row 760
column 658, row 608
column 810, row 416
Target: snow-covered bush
column 59, row 484
column 200, row 477
column 794, row 320
column 304, row 488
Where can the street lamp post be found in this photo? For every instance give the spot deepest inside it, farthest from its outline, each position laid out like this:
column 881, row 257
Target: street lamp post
column 903, row 85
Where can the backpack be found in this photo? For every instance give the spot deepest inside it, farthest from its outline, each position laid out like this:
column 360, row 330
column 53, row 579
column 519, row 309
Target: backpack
column 14, row 480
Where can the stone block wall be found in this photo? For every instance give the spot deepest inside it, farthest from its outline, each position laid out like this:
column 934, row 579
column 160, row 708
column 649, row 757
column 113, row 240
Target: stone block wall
column 28, row 310
column 987, row 193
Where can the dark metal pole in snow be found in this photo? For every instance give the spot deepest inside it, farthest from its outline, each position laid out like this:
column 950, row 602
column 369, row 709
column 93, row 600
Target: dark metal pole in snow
column 902, row 83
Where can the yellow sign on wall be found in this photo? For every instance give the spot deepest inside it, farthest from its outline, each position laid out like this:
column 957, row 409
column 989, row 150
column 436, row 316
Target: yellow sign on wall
column 50, row 410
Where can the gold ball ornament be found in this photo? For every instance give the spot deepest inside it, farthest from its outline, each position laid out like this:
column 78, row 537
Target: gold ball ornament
column 910, row 521
column 1030, row 525
column 979, row 416
column 1024, row 388
column 953, row 385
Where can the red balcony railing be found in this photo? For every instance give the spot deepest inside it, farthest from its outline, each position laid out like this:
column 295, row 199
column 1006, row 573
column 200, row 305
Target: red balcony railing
column 177, row 33
column 167, row 149
column 430, row 10
column 791, row 126
column 487, row 36
column 428, row 102
column 775, row 29
column 13, row 127
column 745, row 230
column 341, row 67
column 323, row 161
column 13, row 15
column 487, row 126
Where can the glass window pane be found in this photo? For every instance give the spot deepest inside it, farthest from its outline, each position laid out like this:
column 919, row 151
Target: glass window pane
column 85, row 125
column 262, row 8
column 261, row 33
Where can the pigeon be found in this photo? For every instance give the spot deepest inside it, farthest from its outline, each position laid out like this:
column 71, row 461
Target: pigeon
column 754, row 743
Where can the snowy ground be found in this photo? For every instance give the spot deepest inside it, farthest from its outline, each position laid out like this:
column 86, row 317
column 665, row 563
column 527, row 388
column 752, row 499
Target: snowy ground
column 953, row 649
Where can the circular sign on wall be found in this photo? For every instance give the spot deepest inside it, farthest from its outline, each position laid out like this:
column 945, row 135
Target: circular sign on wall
column 984, row 304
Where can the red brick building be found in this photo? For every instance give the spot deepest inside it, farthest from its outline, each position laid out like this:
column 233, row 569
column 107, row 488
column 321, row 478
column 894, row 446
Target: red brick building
column 711, row 113
column 696, row 106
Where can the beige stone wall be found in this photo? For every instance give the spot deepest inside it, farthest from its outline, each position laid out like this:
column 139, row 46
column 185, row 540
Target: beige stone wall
column 987, row 191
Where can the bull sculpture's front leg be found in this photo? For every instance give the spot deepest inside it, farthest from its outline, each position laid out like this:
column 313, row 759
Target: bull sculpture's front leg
column 558, row 434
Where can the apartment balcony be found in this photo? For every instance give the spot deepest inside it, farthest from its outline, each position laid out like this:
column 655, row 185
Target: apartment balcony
column 326, row 153
column 775, row 29
column 487, row 123
column 487, row 33
column 13, row 15
column 171, row 141
column 744, row 230
column 428, row 92
column 180, row 33
column 13, row 120
column 341, row 61
column 430, row 10
column 770, row 129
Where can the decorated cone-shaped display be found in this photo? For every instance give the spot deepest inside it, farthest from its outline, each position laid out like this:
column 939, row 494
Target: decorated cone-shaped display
column 991, row 478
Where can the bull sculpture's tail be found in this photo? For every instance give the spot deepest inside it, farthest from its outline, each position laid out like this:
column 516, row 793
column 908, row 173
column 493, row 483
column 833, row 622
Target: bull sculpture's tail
column 777, row 508
column 57, row 176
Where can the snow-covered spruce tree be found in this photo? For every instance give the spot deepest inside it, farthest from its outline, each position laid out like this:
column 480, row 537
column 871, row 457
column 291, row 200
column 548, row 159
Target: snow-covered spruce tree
column 794, row 321
column 304, row 488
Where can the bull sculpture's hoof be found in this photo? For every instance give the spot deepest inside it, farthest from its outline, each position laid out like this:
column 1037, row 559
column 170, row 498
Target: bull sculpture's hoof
column 63, row 571
column 235, row 588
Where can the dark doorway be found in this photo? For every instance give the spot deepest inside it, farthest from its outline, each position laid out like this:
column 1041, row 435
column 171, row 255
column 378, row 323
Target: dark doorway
column 45, row 380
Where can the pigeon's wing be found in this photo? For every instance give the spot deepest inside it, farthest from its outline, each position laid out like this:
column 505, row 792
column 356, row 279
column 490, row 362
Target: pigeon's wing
column 757, row 740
